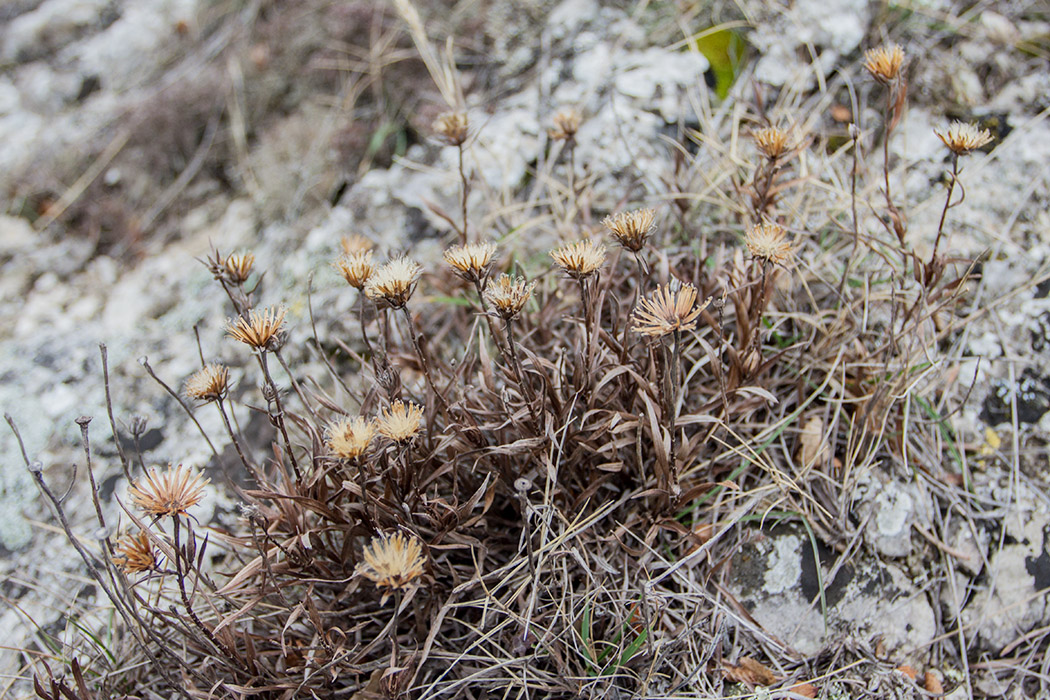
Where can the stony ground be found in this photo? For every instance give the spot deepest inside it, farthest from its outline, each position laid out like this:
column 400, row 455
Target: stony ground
column 134, row 136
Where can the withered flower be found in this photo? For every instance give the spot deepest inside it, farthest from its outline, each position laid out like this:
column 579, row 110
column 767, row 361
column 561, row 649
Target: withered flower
column 580, row 259
column 566, row 124
column 668, row 311
column 508, row 295
column 238, row 268
column 172, row 492
column 962, row 139
column 135, row 553
column 261, row 330
column 768, row 242
column 400, row 422
column 349, row 438
column 772, row 141
column 208, row 383
column 884, row 63
column 631, row 228
column 452, row 128
column 392, row 562
column 356, row 243
column 356, row 268
column 394, row 282
column 471, row 262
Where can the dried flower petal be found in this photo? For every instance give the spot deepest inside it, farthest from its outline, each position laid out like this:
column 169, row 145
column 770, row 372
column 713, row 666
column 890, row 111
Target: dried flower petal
column 771, row 140
column 394, row 282
column 349, row 438
column 400, row 422
column 135, row 553
column 631, row 228
column 238, row 268
column 169, row 493
column 884, row 63
column 566, row 124
column 962, row 139
column 261, row 330
column 452, row 128
column 668, row 311
column 392, row 561
column 356, row 268
column 580, row 259
column 768, row 242
column 208, row 383
column 471, row 262
column 508, row 295
column 356, row 243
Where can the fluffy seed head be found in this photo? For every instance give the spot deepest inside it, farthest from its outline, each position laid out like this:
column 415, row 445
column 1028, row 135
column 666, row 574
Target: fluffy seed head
column 400, row 422
column 508, row 295
column 962, row 139
column 356, row 243
column 884, row 63
column 566, row 124
column 356, row 268
column 135, row 553
column 631, row 228
column 208, row 383
column 171, row 492
column 768, row 242
column 392, row 562
column 452, row 128
column 471, row 262
column 394, row 282
column 667, row 311
column 261, row 330
column 771, row 140
column 238, row 268
column 580, row 259
column 349, row 438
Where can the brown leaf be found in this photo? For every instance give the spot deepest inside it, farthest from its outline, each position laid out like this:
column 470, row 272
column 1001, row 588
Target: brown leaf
column 750, row 672
column 806, row 690
column 932, row 683
column 907, row 671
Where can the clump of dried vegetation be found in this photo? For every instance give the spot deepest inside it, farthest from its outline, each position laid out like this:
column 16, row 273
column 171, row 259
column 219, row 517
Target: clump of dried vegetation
column 535, row 489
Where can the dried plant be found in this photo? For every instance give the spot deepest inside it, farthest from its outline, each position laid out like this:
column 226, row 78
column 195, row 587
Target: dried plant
column 393, row 283
column 261, row 330
column 170, row 493
column 209, row 383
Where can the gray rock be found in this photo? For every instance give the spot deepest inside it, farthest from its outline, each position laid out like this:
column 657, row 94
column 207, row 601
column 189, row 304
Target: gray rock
column 776, row 579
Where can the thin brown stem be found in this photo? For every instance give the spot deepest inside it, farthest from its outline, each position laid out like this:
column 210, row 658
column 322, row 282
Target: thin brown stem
column 236, row 443
column 278, row 417
column 423, row 359
column 947, row 205
column 465, row 190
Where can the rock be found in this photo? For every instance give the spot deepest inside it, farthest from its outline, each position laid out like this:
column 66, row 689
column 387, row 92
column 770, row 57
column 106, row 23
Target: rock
column 889, row 507
column 775, row 578
column 1011, row 599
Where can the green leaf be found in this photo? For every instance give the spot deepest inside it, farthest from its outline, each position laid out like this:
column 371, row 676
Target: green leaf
column 724, row 49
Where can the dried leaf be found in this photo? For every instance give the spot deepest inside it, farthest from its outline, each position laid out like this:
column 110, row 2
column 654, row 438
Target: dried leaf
column 751, row 672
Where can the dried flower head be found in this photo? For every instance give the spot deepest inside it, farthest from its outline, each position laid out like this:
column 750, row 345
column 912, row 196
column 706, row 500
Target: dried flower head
column 394, row 282
column 884, row 63
column 208, row 383
column 356, row 268
column 169, row 493
column 768, row 242
column 566, row 124
column 508, row 295
column 452, row 128
column 261, row 330
column 135, row 553
column 349, row 438
column 962, row 138
column 356, row 243
column 580, row 259
column 238, row 268
column 471, row 262
column 631, row 228
column 668, row 311
column 400, row 422
column 771, row 140
column 392, row 562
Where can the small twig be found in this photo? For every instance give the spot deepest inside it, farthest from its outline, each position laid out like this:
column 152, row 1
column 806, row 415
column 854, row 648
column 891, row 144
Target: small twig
column 109, row 411
column 185, row 407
